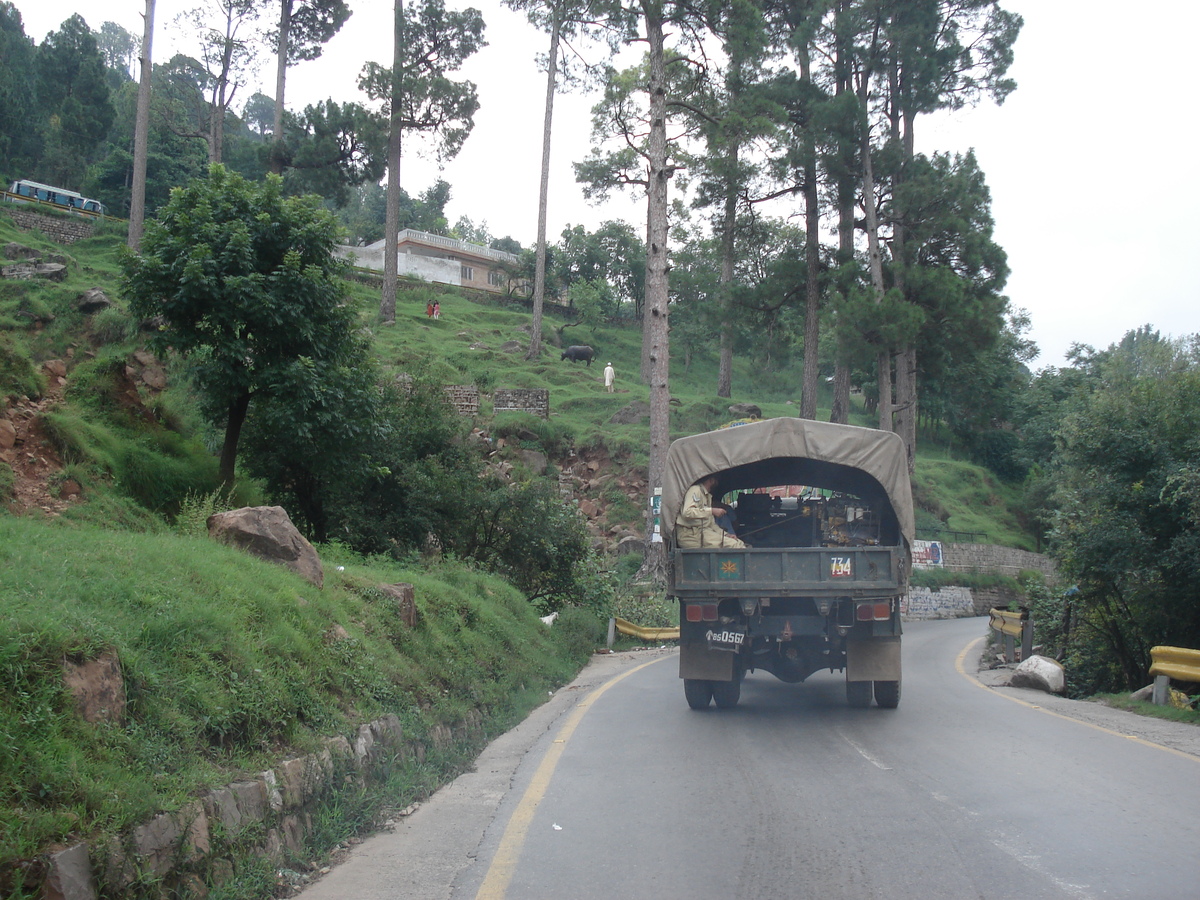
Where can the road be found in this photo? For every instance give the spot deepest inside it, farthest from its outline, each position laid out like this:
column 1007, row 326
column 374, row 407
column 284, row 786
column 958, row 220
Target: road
column 616, row 789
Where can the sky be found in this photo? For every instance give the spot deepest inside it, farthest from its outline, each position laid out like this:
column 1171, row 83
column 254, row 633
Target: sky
column 1088, row 161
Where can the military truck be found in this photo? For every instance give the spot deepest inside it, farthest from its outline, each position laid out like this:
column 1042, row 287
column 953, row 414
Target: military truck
column 827, row 512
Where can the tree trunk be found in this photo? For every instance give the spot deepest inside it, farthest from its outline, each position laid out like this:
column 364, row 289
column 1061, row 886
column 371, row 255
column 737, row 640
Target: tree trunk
column 141, row 135
column 233, row 432
column 285, row 24
column 906, row 359
column 387, row 302
column 812, row 262
column 728, row 248
column 840, row 409
column 539, row 266
column 883, row 360
column 655, row 327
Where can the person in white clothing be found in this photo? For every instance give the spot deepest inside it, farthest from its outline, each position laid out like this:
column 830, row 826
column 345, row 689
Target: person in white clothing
column 610, row 377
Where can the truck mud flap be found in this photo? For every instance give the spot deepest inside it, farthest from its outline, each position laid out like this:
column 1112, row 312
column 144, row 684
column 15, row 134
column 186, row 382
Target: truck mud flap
column 874, row 660
column 696, row 660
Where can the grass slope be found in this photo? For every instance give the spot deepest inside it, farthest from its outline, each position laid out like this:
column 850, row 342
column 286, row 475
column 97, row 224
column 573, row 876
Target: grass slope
column 228, row 662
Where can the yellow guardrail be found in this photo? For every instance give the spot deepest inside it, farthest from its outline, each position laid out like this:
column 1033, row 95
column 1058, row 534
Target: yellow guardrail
column 1175, row 662
column 1010, row 623
column 646, row 634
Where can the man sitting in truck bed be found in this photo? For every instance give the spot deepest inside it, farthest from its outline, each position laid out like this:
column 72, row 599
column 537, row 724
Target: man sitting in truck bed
column 695, row 527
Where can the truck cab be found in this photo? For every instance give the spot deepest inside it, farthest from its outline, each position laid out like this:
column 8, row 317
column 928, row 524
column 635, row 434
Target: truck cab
column 826, row 511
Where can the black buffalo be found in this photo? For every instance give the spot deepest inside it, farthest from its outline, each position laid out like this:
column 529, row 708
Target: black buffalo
column 578, row 352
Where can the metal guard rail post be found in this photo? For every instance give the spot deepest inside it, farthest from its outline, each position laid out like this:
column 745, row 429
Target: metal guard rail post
column 1013, row 625
column 1172, row 662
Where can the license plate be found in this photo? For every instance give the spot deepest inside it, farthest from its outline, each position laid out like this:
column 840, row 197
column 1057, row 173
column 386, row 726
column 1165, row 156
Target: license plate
column 841, row 567
column 726, row 639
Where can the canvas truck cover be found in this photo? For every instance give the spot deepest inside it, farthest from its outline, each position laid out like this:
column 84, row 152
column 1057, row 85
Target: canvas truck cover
column 862, row 461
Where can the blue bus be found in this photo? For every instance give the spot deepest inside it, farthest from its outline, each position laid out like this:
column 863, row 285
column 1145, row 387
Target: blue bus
column 35, row 192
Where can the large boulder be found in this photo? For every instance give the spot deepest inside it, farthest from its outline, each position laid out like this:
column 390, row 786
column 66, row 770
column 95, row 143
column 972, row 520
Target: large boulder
column 1040, row 673
column 268, row 533
column 92, row 301
column 97, row 687
column 745, row 410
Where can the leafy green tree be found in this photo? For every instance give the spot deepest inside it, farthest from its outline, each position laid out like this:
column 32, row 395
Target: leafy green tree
column 73, row 102
column 335, row 147
column 613, row 253
column 118, row 47
column 1128, row 526
column 246, row 286
column 259, row 114
column 18, row 92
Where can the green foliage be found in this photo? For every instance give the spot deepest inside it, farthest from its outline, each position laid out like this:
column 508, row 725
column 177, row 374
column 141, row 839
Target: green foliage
column 18, row 376
column 245, row 280
column 1128, row 504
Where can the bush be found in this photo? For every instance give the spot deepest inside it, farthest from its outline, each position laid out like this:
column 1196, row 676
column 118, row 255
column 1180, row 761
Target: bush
column 18, row 375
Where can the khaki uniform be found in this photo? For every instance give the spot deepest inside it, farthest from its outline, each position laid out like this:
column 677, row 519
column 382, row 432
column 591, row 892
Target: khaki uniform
column 695, row 528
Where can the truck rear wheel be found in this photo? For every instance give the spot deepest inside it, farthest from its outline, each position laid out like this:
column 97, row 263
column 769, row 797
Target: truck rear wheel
column 698, row 692
column 727, row 693
column 858, row 694
column 887, row 694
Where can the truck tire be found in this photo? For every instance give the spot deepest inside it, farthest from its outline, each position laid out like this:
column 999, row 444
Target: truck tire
column 726, row 693
column 698, row 692
column 887, row 694
column 858, row 694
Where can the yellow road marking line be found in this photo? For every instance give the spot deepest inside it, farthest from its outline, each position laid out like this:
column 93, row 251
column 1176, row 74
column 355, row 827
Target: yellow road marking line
column 958, row 664
column 504, row 863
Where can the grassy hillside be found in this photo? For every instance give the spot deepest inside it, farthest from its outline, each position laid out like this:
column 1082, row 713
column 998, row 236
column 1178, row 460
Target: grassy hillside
column 231, row 663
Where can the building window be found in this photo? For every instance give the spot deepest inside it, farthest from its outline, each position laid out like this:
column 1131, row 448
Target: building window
column 468, row 274
column 495, row 279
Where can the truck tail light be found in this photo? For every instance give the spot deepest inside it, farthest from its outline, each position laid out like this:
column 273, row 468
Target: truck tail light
column 701, row 612
column 874, row 612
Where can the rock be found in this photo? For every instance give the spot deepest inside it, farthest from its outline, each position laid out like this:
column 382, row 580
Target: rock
column 27, row 271
column 154, row 378
column 154, row 323
column 512, row 347
column 92, row 301
column 268, row 533
column 589, row 508
column 631, row 544
column 745, row 410
column 8, row 434
column 631, row 414
column 98, row 688
column 1040, row 673
column 56, row 368
column 534, row 460
column 1143, row 695
column 405, row 596
column 70, row 875
column 13, row 250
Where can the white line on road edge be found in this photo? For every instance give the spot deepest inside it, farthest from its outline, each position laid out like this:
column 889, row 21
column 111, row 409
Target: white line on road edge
column 864, row 754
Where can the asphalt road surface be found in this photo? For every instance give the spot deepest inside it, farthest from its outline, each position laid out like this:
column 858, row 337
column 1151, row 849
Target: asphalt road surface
column 616, row 789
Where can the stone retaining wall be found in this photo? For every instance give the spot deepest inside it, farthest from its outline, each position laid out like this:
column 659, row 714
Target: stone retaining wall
column 62, row 230
column 531, row 400
column 269, row 816
column 952, row 602
column 998, row 560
